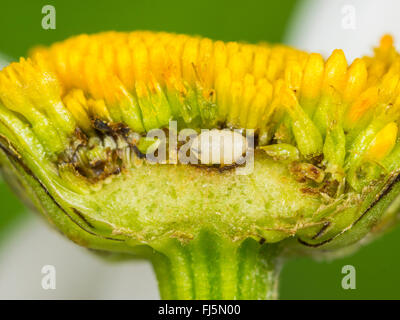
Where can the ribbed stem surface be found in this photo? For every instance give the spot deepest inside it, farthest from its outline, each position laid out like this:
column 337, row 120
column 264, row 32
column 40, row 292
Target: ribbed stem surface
column 211, row 267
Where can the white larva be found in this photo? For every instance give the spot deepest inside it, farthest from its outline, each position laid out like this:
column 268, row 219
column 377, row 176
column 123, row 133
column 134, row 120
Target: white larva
column 223, row 147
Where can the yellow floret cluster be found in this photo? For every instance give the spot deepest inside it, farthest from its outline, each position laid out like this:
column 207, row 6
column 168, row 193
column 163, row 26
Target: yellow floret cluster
column 348, row 113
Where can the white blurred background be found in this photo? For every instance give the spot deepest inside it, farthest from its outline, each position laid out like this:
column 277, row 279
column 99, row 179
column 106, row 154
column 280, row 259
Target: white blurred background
column 352, row 25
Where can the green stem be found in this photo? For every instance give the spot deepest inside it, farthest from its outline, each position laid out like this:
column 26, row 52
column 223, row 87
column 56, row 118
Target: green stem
column 211, row 267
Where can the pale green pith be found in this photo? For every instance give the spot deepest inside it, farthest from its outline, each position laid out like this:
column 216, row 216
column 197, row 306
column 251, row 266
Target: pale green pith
column 154, row 200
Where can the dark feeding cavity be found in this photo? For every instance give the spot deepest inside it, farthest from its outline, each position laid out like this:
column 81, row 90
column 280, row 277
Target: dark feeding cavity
column 108, row 152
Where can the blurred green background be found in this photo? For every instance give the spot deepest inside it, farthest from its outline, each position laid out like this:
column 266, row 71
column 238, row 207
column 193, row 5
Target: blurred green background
column 377, row 264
